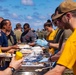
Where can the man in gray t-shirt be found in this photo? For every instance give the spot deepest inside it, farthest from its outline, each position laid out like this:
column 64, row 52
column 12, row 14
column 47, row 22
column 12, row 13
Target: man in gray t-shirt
column 28, row 36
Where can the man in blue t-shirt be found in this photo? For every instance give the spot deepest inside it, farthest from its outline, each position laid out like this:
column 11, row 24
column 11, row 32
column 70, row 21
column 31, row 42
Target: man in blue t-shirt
column 5, row 26
column 3, row 39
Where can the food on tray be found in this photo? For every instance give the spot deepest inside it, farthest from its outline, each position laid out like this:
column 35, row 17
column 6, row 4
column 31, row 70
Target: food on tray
column 37, row 50
column 2, row 54
column 38, row 70
column 38, row 63
column 24, row 46
column 26, row 51
column 19, row 55
column 8, row 54
column 33, row 64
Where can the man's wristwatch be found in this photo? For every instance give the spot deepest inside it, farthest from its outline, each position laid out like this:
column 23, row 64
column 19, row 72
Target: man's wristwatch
column 12, row 69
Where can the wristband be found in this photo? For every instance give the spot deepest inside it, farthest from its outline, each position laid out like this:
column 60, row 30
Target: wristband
column 12, row 69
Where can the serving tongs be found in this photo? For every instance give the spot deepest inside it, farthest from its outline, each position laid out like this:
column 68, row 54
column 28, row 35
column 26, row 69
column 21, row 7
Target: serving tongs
column 24, row 48
column 41, row 69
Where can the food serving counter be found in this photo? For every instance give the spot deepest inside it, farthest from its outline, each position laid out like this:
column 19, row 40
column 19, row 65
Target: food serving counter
column 34, row 64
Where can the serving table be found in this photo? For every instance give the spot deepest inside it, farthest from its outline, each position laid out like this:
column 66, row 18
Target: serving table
column 31, row 69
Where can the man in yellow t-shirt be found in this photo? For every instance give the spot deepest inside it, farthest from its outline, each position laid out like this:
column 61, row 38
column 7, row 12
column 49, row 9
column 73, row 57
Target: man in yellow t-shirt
column 69, row 52
column 66, row 16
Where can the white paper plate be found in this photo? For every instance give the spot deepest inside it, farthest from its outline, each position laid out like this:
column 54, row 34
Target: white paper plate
column 9, row 55
column 2, row 54
column 24, row 46
column 26, row 51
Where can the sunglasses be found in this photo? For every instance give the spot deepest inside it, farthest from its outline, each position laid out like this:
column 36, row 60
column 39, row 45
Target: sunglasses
column 54, row 22
column 60, row 18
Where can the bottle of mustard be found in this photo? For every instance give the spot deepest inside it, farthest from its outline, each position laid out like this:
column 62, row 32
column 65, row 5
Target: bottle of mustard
column 18, row 55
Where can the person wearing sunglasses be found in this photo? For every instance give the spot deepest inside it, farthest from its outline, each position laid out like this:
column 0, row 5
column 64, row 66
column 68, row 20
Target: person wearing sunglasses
column 66, row 16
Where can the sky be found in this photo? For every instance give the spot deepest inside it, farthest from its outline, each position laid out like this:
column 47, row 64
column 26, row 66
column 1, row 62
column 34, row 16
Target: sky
column 34, row 12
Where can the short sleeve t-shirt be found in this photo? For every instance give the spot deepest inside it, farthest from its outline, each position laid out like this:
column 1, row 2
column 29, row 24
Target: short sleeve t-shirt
column 3, row 39
column 29, row 37
column 68, row 56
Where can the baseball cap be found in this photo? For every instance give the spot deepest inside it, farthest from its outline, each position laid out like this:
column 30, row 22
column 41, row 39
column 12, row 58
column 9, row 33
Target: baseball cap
column 65, row 7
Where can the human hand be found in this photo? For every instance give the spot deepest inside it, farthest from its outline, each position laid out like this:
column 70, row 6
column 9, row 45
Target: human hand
column 11, row 51
column 55, row 57
column 32, row 44
column 16, row 63
column 15, row 47
column 50, row 44
column 53, row 72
